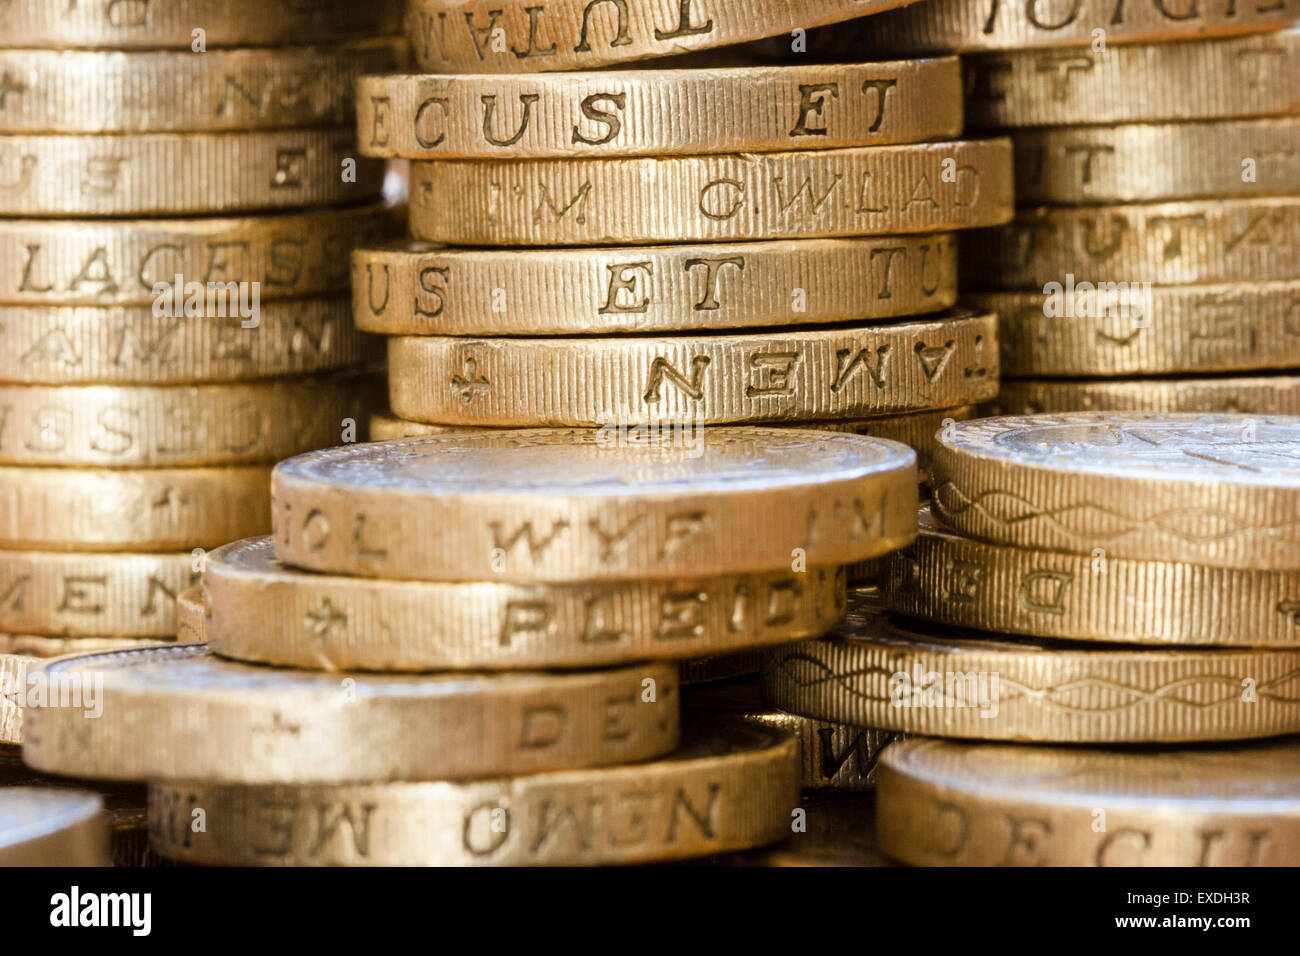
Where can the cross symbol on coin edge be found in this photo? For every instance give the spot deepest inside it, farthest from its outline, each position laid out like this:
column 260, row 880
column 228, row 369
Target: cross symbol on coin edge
column 470, row 383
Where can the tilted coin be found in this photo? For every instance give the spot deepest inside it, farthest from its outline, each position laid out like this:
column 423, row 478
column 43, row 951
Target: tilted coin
column 169, row 174
column 1258, row 395
column 41, row 826
column 1135, row 82
column 1157, row 162
column 1215, row 489
column 1086, row 329
column 174, row 91
column 248, row 724
column 555, row 505
column 659, row 112
column 732, row 784
column 831, row 372
column 415, row 288
column 35, row 23
column 1208, row 240
column 962, row 25
column 874, row 190
column 144, row 509
column 1089, row 597
column 259, row 610
column 531, row 36
column 55, row 345
column 120, row 261
column 92, row 595
column 944, row 803
column 147, row 426
column 876, row 670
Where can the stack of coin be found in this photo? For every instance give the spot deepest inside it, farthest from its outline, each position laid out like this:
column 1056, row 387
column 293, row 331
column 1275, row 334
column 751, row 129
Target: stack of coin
column 679, row 244
column 1110, row 579
column 1154, row 263
column 180, row 195
column 455, row 649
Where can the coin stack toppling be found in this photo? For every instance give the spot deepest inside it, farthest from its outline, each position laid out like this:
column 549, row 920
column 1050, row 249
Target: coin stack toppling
column 460, row 649
column 1124, row 581
column 1154, row 264
column 180, row 195
column 635, row 249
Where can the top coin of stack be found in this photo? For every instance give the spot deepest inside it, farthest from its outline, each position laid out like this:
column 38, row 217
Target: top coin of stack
column 743, row 230
column 145, row 363
column 1146, row 270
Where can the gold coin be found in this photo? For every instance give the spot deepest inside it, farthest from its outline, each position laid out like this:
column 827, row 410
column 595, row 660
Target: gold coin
column 1257, row 395
column 556, row 505
column 1135, row 82
column 57, row 345
column 962, row 25
column 107, row 595
column 834, row 757
column 119, row 261
column 1209, row 240
column 1215, row 489
column 261, row 611
column 41, row 826
column 885, row 672
column 839, row 831
column 145, row 426
column 249, row 724
column 20, row 661
column 960, row 581
column 1131, row 328
column 175, row 174
column 875, row 190
column 531, row 36
column 125, row 808
column 659, row 112
column 192, row 616
column 175, row 91
column 771, row 377
column 147, row 509
column 36, row 23
column 732, row 784
column 415, row 288
column 1155, row 162
column 943, row 803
